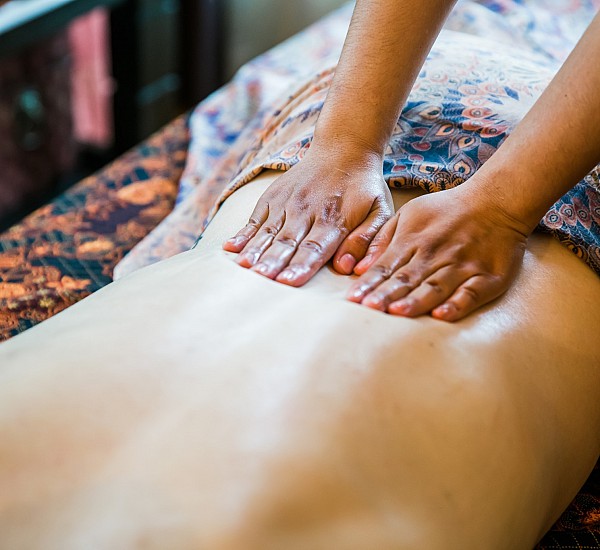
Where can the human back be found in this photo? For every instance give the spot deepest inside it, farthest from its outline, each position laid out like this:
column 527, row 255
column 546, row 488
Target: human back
column 196, row 404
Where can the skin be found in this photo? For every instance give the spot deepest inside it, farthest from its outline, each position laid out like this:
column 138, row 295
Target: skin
column 154, row 415
column 318, row 211
column 444, row 254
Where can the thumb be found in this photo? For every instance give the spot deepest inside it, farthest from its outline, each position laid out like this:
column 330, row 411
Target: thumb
column 355, row 245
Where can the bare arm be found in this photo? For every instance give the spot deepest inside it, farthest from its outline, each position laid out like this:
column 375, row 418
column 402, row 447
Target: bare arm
column 556, row 144
column 318, row 208
column 452, row 252
column 386, row 46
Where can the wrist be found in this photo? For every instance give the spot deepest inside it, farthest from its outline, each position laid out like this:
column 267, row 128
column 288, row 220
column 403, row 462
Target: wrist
column 508, row 195
column 346, row 150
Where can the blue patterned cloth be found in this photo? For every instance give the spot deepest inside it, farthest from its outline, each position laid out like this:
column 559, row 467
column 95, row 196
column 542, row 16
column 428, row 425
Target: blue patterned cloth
column 487, row 68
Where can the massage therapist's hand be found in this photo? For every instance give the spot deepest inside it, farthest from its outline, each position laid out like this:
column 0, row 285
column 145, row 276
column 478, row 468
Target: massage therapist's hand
column 312, row 213
column 447, row 254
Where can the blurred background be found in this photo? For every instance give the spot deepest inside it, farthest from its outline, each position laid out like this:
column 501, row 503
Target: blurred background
column 82, row 81
column 256, row 25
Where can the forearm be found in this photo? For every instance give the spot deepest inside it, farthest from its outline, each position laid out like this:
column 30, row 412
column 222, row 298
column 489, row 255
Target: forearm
column 386, row 46
column 556, row 144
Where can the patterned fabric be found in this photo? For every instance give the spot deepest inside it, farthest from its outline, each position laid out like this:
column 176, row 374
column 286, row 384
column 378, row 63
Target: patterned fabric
column 466, row 100
column 68, row 248
column 579, row 526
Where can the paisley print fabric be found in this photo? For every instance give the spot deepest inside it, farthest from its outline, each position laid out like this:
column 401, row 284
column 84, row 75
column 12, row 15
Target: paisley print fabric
column 476, row 85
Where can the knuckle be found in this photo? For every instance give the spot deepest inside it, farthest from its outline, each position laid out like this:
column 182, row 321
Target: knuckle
column 361, row 238
column 497, row 280
column 290, row 242
column 303, row 194
column 254, row 222
column 471, row 293
column 435, row 286
column 330, row 231
column 332, row 209
column 270, row 229
column 384, row 270
column 401, row 278
column 313, row 246
column 302, row 206
column 378, row 243
column 428, row 252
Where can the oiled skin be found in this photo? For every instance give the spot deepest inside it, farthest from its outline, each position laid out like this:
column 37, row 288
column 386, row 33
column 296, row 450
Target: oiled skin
column 448, row 253
column 197, row 405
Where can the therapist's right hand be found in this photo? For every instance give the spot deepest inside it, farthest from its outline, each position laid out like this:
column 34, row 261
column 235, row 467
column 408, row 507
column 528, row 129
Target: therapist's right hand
column 326, row 206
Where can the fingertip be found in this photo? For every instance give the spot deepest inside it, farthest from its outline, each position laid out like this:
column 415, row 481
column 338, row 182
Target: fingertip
column 374, row 301
column 345, row 264
column 261, row 269
column 355, row 294
column 229, row 247
column 351, row 296
column 446, row 312
column 291, row 278
column 244, row 261
column 403, row 308
column 364, row 265
column 235, row 244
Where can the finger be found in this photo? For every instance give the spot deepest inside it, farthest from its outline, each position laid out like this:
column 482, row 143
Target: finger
column 472, row 294
column 378, row 246
column 241, row 238
column 432, row 292
column 406, row 277
column 255, row 248
column 355, row 245
column 379, row 272
column 283, row 248
column 314, row 251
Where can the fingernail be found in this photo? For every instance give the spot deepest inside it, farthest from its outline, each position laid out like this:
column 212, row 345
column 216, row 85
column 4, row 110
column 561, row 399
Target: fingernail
column 286, row 275
column 347, row 263
column 248, row 259
column 260, row 268
column 373, row 299
column 357, row 293
column 404, row 307
column 363, row 264
column 445, row 311
column 236, row 240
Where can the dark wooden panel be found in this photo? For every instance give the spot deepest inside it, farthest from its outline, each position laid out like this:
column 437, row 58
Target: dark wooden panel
column 203, row 28
column 160, row 39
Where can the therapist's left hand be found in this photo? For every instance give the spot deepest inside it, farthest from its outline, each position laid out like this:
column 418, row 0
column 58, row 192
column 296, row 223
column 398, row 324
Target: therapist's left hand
column 447, row 254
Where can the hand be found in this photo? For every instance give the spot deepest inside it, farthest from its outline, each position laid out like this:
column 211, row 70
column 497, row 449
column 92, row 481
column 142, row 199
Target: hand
column 310, row 213
column 447, row 254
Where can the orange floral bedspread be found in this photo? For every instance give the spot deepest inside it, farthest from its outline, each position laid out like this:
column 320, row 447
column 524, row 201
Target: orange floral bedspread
column 67, row 249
